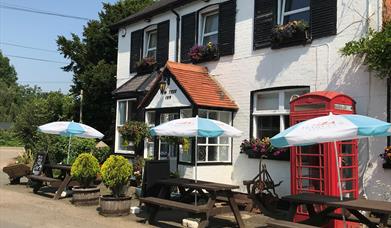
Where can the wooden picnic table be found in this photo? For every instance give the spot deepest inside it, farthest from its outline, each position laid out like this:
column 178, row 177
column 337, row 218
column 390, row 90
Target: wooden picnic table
column 331, row 203
column 186, row 186
column 61, row 182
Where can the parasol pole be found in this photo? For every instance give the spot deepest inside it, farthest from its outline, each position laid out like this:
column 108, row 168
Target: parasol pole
column 339, row 181
column 196, row 159
column 69, row 148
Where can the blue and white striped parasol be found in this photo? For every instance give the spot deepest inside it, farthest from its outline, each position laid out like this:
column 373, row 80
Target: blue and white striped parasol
column 332, row 128
column 70, row 129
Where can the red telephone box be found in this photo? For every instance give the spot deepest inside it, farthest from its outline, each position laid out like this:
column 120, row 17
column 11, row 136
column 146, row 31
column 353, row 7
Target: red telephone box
column 313, row 167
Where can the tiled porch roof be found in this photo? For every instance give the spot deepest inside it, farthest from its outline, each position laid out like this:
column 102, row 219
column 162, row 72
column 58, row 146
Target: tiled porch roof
column 198, row 85
column 139, row 83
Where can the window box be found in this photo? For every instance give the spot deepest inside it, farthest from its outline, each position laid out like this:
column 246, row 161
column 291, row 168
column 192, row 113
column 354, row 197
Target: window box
column 146, row 65
column 386, row 156
column 291, row 34
column 262, row 148
column 203, row 53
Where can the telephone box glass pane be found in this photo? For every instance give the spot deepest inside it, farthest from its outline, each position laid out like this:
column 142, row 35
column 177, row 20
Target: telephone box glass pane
column 309, row 107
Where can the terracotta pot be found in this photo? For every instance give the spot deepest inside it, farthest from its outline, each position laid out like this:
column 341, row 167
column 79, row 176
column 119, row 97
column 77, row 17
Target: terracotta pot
column 85, row 196
column 111, row 206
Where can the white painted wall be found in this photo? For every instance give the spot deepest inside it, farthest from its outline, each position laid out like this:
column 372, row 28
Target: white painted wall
column 318, row 65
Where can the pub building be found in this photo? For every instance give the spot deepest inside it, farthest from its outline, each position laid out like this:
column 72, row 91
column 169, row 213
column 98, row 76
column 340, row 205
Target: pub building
column 216, row 59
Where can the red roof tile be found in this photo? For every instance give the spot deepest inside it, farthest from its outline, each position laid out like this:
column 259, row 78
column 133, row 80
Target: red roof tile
column 200, row 86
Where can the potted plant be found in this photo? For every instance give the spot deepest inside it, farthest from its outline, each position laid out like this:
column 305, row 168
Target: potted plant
column 134, row 131
column 203, row 53
column 84, row 170
column 386, row 156
column 292, row 33
column 146, row 65
column 116, row 172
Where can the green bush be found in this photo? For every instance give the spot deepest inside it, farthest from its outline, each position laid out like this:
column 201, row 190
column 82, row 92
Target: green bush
column 84, row 169
column 57, row 147
column 9, row 138
column 116, row 172
column 101, row 153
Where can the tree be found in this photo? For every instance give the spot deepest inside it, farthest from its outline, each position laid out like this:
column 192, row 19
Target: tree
column 7, row 72
column 93, row 60
column 376, row 50
column 10, row 92
column 43, row 108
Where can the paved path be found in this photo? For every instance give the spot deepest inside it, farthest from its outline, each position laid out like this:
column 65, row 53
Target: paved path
column 19, row 207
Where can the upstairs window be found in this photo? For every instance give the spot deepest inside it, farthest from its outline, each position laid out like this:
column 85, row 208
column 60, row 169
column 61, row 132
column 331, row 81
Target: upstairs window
column 210, row 28
column 290, row 10
column 151, row 43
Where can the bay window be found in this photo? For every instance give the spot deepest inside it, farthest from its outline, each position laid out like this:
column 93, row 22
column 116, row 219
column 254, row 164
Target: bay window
column 126, row 111
column 216, row 149
column 149, row 143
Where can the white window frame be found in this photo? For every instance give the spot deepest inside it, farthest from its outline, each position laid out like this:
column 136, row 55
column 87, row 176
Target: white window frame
column 147, row 141
column 147, row 37
column 281, row 111
column 213, row 10
column 117, row 124
column 281, row 11
column 218, row 144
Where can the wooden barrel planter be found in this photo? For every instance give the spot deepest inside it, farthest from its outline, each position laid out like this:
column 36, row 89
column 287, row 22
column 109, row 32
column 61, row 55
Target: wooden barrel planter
column 85, row 196
column 111, row 206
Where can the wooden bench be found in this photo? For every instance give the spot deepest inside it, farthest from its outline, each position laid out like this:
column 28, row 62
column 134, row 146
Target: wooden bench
column 42, row 174
column 16, row 171
column 285, row 224
column 174, row 205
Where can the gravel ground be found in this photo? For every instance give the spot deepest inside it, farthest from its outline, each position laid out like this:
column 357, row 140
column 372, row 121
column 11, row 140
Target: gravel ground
column 19, row 207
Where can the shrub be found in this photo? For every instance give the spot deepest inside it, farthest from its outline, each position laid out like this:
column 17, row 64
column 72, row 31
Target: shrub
column 84, row 169
column 26, row 158
column 116, row 172
column 9, row 138
column 101, row 153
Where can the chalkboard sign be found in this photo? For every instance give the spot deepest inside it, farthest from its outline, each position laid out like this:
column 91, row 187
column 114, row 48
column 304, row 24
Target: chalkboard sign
column 38, row 163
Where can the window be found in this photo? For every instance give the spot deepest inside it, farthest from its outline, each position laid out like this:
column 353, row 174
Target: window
column 185, row 153
column 151, row 43
column 209, row 28
column 167, row 150
column 289, row 10
column 149, row 143
column 271, row 111
column 126, row 111
column 214, row 149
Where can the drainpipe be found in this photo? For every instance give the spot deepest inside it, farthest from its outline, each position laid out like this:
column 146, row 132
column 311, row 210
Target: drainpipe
column 178, row 19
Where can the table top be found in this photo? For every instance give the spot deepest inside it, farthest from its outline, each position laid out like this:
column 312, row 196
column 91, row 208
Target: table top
column 348, row 203
column 190, row 183
column 59, row 166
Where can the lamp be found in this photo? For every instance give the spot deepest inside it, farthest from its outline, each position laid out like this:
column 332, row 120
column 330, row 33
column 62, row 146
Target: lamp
column 162, row 86
column 163, row 83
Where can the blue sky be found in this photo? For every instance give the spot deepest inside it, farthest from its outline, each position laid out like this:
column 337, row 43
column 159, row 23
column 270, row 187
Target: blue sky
column 41, row 31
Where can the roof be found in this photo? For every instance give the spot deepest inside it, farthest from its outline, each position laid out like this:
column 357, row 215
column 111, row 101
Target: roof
column 328, row 94
column 138, row 83
column 150, row 11
column 198, row 85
